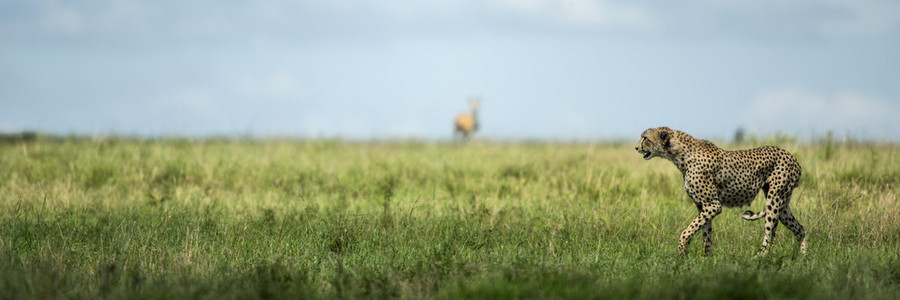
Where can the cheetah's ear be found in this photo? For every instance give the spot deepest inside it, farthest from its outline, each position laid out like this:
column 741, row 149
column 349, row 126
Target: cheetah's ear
column 664, row 138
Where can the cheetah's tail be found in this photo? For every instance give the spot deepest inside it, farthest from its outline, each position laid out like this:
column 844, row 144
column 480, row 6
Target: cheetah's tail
column 750, row 216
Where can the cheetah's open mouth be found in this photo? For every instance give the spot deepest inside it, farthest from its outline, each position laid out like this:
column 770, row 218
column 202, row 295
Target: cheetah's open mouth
column 647, row 155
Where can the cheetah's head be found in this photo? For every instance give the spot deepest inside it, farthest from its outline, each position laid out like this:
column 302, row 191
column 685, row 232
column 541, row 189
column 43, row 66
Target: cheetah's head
column 655, row 142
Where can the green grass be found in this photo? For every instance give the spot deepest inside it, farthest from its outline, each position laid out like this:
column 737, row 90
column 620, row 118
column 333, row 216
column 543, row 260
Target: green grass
column 244, row 219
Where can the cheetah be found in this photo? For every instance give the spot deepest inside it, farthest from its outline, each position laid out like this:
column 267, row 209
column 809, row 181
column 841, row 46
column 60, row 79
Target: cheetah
column 714, row 178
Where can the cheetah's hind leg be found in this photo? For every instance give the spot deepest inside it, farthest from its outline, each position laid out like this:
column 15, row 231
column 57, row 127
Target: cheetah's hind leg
column 787, row 218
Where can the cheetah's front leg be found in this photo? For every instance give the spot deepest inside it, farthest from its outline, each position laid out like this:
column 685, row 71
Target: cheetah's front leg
column 703, row 221
column 706, row 229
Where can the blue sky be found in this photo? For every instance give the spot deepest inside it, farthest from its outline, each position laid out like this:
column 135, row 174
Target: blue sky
column 560, row 70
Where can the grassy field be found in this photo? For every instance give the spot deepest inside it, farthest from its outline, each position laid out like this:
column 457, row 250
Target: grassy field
column 245, row 219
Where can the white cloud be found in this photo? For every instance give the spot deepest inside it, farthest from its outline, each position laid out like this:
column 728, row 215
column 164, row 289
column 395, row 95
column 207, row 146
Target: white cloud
column 831, row 18
column 583, row 14
column 58, row 18
column 864, row 17
column 790, row 109
column 142, row 19
column 92, row 19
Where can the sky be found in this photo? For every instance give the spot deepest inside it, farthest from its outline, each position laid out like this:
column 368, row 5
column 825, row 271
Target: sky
column 402, row 69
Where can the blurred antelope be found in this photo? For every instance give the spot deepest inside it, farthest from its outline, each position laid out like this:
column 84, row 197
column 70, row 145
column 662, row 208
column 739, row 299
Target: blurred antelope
column 467, row 123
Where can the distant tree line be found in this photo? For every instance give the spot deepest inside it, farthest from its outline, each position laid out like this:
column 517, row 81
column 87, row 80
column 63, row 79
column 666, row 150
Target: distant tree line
column 19, row 137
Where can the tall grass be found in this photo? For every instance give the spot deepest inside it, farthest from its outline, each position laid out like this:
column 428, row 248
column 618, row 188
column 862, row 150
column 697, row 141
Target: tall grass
column 124, row 218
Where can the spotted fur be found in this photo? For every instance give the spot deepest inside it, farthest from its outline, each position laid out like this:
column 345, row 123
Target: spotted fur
column 714, row 178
